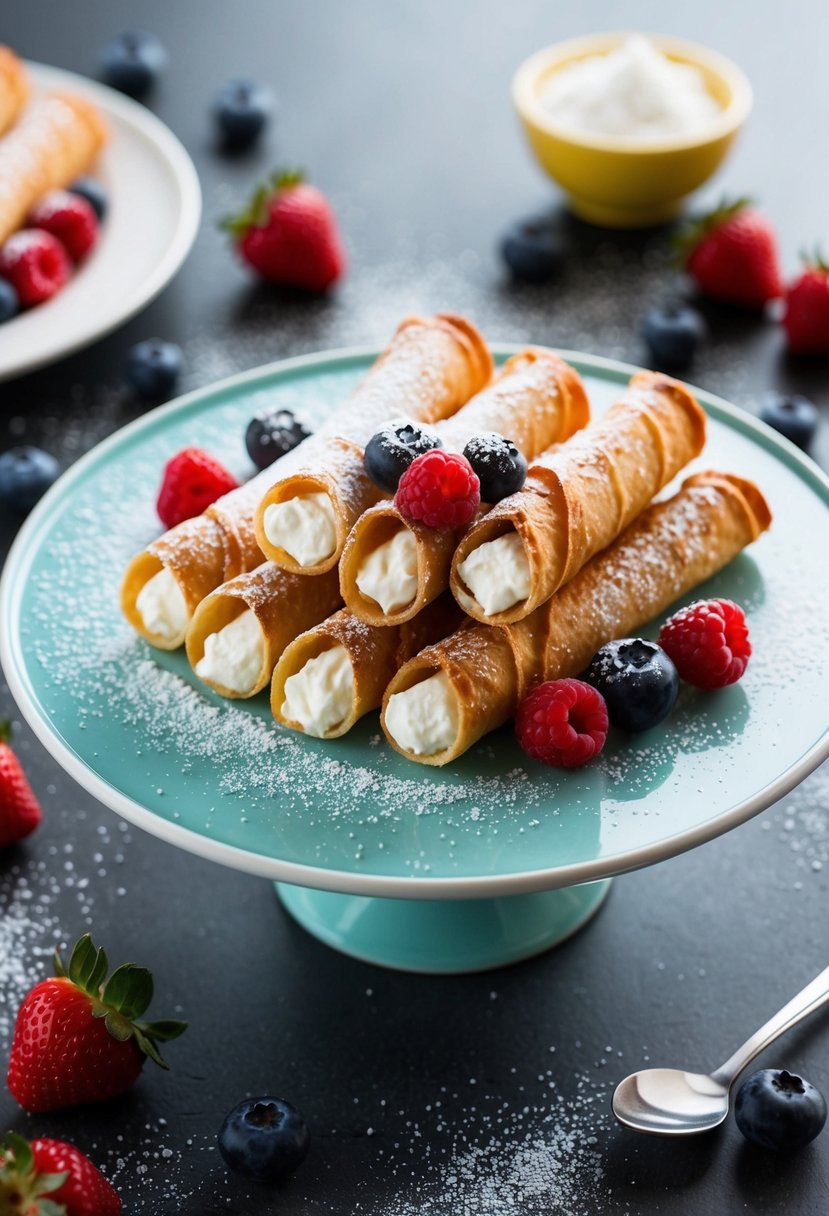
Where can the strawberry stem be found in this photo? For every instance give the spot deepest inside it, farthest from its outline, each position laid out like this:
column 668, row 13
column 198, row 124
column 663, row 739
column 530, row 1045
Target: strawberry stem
column 686, row 241
column 5, row 730
column 255, row 214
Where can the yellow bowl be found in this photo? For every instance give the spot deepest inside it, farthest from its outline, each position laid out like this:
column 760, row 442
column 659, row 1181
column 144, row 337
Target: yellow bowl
column 627, row 183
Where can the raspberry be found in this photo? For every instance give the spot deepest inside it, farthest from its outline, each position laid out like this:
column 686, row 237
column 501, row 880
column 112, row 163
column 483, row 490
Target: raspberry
column 68, row 217
column 192, row 480
column 562, row 723
column 36, row 264
column 440, row 489
column 708, row 642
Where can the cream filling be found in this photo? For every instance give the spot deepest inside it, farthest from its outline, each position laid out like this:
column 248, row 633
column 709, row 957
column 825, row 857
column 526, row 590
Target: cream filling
column 161, row 606
column 233, row 656
column 389, row 574
column 321, row 693
column 424, row 718
column 304, row 526
column 497, row 573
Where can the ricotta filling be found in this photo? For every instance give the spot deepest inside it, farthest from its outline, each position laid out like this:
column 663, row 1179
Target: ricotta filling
column 389, row 574
column 304, row 526
column 161, row 606
column 497, row 573
column 321, row 693
column 424, row 719
column 233, row 656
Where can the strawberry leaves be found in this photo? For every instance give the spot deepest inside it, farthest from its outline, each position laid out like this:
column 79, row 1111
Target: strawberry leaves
column 21, row 1185
column 255, row 214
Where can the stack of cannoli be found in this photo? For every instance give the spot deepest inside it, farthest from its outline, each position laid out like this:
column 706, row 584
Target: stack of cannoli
column 311, row 581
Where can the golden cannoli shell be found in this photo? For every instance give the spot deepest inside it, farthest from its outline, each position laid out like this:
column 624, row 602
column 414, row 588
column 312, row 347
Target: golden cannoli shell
column 535, row 400
column 55, row 140
column 375, row 652
column 14, row 88
column 284, row 604
column 580, row 495
column 669, row 549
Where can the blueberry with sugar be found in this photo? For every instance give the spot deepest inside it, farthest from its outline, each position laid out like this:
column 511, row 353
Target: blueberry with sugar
column 264, row 1138
column 272, row 433
column 501, row 467
column 778, row 1110
column 638, row 681
column 25, row 475
column 390, row 451
column 792, row 414
column 673, row 333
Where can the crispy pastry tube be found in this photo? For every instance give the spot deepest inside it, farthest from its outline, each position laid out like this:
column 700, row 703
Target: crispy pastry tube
column 56, row 138
column 282, row 605
column 666, row 552
column 202, row 553
column 535, row 400
column 578, row 497
column 373, row 653
column 431, row 369
column 14, row 88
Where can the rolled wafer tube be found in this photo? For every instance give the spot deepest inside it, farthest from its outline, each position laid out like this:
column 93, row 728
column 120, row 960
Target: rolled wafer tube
column 14, row 88
column 391, row 566
column 56, row 138
column 431, row 369
column 576, row 499
column 474, row 679
column 164, row 584
column 239, row 630
column 336, row 672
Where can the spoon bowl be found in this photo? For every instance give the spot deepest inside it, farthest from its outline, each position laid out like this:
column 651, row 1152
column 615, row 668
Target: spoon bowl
column 670, row 1102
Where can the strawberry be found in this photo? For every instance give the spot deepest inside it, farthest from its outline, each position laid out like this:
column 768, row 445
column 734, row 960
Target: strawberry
column 20, row 811
column 192, row 480
column 51, row 1178
column 289, row 234
column 732, row 255
column 77, row 1039
column 806, row 319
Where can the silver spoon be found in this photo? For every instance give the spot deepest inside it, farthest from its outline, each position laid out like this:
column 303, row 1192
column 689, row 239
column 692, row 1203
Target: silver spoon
column 670, row 1102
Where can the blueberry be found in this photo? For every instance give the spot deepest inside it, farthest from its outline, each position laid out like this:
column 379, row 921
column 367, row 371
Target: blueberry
column 9, row 301
column 673, row 332
column 264, row 1138
column 637, row 680
column 271, row 433
column 532, row 250
column 92, row 190
column 390, row 452
column 792, row 415
column 779, row 1110
column 500, row 466
column 153, row 367
column 132, row 62
column 25, row 476
column 241, row 110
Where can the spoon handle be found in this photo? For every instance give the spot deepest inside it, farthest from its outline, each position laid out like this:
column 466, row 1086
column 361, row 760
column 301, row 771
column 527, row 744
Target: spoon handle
column 811, row 998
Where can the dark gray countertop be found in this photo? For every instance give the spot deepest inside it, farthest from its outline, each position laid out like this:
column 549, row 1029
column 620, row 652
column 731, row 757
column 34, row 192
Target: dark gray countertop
column 477, row 1094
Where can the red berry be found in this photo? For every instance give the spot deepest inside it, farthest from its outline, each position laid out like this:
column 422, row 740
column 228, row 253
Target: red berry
column 562, row 723
column 192, row 480
column 76, row 1038
column 36, row 264
column 68, row 217
column 732, row 255
column 289, row 235
column 440, row 489
column 20, row 811
column 50, row 1175
column 806, row 319
column 708, row 642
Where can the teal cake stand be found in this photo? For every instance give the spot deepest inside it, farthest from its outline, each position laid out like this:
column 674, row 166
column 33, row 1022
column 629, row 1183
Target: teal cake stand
column 488, row 861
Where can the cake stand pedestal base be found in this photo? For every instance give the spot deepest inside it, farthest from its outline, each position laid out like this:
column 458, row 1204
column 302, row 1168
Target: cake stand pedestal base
column 444, row 936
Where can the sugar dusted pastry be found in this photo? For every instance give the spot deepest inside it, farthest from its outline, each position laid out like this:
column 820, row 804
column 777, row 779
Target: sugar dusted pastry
column 431, row 370
column 14, row 88
column 56, row 139
column 391, row 566
column 576, row 499
column 429, row 366
column 472, row 681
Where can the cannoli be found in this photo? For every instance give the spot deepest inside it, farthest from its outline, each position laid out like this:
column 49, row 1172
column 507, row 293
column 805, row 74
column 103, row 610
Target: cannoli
column 454, row 692
column 14, row 88
column 576, row 499
column 333, row 674
column 164, row 584
column 303, row 520
column 239, row 631
column 392, row 567
column 56, row 138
